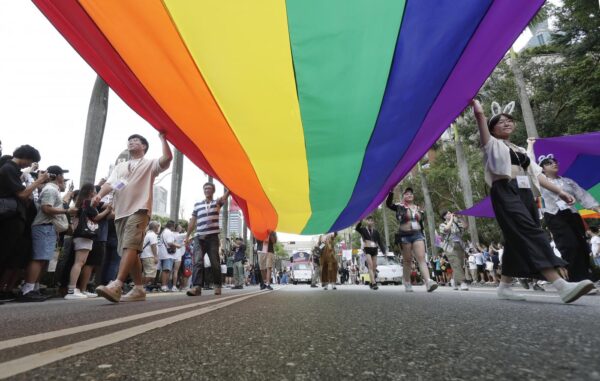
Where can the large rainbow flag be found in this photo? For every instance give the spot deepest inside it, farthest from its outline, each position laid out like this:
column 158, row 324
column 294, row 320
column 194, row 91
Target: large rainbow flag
column 578, row 159
column 309, row 111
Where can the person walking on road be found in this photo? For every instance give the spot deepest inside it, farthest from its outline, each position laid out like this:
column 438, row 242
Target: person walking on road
column 410, row 236
column 371, row 242
column 266, row 256
column 512, row 174
column 239, row 257
column 132, row 182
column 451, row 230
column 329, row 265
column 564, row 221
column 204, row 224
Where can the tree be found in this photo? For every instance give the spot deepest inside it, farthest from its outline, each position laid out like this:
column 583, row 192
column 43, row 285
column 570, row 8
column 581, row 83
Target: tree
column 94, row 132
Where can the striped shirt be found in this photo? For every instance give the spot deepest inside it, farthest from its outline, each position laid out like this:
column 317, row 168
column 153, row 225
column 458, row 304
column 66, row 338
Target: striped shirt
column 207, row 217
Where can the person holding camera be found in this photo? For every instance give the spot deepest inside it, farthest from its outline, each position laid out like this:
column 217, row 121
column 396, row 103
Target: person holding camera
column 14, row 201
column 50, row 219
column 451, row 230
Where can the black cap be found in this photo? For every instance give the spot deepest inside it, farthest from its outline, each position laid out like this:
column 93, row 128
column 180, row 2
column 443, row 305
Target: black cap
column 409, row 189
column 56, row 170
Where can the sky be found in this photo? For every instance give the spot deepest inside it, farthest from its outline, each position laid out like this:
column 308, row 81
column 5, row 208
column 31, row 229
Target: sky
column 45, row 89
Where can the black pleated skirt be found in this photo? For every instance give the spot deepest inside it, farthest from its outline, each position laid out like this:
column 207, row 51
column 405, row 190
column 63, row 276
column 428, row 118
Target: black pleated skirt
column 527, row 248
column 569, row 235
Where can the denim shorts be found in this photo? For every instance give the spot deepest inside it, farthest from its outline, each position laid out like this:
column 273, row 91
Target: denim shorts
column 43, row 241
column 412, row 238
column 167, row 264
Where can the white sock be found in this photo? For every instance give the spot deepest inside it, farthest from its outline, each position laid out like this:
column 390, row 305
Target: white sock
column 117, row 283
column 560, row 284
column 27, row 287
column 139, row 287
column 504, row 285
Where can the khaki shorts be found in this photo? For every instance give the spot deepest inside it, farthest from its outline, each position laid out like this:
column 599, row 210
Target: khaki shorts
column 149, row 267
column 265, row 260
column 131, row 231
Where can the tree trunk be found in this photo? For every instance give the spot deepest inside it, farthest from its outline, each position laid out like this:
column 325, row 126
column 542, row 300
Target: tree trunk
column 94, row 132
column 523, row 97
column 465, row 183
column 429, row 212
column 176, row 179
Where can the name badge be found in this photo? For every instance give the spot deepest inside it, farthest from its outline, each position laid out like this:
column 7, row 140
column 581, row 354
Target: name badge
column 120, row 184
column 523, row 182
column 562, row 205
column 414, row 225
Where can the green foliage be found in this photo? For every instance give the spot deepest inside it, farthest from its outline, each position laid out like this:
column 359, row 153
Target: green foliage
column 563, row 83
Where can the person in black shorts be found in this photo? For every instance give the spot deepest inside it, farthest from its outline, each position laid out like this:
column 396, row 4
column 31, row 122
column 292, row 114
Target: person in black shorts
column 371, row 241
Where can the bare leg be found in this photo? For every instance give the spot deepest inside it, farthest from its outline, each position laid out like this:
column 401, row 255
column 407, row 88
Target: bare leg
column 80, row 258
column 176, row 266
column 419, row 250
column 34, row 269
column 130, row 265
column 406, row 262
column 84, row 278
column 371, row 269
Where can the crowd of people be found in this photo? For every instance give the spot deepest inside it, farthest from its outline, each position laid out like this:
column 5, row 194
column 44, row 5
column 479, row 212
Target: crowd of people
column 108, row 238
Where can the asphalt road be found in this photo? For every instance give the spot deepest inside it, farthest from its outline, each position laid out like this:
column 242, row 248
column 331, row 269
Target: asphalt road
column 299, row 333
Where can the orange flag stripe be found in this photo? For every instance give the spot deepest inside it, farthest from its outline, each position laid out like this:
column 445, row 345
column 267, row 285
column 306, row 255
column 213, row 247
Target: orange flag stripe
column 145, row 37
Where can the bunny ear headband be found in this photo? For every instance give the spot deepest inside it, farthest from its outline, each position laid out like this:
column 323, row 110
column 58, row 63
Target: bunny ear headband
column 497, row 110
column 543, row 158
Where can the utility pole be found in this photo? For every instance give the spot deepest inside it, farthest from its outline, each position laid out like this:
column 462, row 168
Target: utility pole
column 176, row 180
column 94, row 132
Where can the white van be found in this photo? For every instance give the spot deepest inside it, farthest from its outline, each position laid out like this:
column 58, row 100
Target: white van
column 389, row 270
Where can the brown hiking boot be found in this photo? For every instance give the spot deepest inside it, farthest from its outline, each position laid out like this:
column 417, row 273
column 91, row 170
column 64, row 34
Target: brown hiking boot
column 194, row 291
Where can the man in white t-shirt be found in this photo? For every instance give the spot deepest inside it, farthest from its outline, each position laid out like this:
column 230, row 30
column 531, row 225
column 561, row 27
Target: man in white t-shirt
column 167, row 250
column 149, row 254
column 132, row 183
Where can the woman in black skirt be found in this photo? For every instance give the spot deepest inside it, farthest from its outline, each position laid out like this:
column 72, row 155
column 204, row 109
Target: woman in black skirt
column 512, row 175
column 564, row 221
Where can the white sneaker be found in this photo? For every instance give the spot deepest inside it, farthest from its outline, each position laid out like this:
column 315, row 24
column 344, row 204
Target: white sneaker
column 574, row 290
column 408, row 288
column 464, row 286
column 507, row 293
column 431, row 285
column 75, row 295
column 134, row 295
column 174, row 289
column 90, row 294
column 164, row 289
